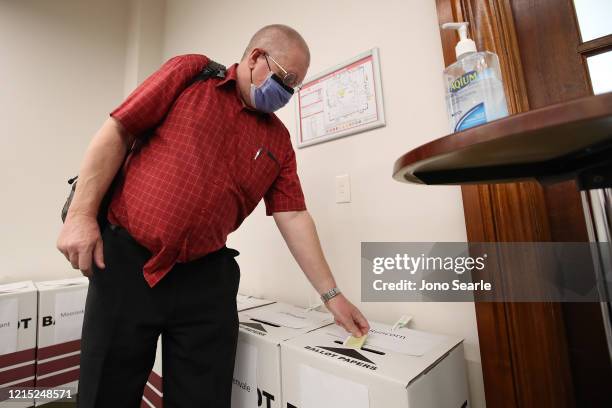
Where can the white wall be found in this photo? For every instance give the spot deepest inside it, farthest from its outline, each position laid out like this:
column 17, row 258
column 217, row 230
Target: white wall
column 62, row 69
column 67, row 63
column 145, row 32
column 381, row 208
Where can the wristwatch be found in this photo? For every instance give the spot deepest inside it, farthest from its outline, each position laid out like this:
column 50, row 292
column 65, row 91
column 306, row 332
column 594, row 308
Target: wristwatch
column 330, row 294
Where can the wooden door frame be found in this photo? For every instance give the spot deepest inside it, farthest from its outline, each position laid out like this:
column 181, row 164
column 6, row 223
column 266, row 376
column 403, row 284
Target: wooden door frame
column 524, row 351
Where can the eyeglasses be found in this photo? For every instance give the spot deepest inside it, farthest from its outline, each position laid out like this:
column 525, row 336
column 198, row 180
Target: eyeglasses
column 289, row 78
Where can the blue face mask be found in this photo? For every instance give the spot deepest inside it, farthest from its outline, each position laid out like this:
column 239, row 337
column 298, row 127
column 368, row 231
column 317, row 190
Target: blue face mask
column 271, row 95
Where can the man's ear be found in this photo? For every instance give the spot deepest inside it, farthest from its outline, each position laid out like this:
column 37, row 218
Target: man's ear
column 253, row 57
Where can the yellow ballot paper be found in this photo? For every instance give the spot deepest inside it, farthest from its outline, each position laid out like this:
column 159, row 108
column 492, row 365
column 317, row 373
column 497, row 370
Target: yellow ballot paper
column 355, row 342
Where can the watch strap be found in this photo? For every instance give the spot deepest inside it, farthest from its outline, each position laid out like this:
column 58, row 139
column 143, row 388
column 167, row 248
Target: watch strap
column 333, row 292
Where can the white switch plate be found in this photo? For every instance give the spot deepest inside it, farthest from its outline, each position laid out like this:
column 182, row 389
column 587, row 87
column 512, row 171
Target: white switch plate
column 343, row 189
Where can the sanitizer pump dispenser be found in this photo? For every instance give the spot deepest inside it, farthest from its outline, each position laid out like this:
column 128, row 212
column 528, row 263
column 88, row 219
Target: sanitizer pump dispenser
column 474, row 87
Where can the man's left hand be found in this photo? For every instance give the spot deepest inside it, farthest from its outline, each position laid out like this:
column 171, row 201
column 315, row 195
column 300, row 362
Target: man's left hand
column 347, row 315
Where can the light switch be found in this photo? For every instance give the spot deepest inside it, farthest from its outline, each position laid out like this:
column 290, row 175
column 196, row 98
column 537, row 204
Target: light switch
column 343, row 189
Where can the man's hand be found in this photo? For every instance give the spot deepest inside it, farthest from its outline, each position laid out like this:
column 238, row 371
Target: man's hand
column 80, row 241
column 300, row 234
column 347, row 316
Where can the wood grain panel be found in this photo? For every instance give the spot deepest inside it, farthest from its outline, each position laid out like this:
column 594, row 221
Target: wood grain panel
column 548, row 31
column 596, row 46
column 556, row 72
column 524, row 353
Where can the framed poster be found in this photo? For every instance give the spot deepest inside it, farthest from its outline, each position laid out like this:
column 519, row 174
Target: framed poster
column 341, row 101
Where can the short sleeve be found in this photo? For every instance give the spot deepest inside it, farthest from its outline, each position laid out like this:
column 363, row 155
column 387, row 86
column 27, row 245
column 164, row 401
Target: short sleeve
column 149, row 103
column 286, row 194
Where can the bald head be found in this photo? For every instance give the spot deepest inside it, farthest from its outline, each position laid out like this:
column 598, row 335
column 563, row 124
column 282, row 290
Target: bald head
column 275, row 48
column 281, row 41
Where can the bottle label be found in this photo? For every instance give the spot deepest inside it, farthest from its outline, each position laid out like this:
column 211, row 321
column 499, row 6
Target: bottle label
column 475, row 98
column 474, row 117
column 463, row 81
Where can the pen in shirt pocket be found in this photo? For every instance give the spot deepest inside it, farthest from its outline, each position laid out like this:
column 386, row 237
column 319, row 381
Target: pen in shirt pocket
column 261, row 150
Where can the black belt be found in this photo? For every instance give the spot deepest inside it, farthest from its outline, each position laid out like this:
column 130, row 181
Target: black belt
column 224, row 250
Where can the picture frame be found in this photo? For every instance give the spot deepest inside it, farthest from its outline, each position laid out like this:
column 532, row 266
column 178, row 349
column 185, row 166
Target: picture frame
column 341, row 101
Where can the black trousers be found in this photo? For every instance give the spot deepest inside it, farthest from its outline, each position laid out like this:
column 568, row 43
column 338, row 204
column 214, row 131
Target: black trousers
column 193, row 308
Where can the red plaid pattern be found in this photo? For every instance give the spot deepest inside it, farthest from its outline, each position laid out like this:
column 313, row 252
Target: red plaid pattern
column 205, row 166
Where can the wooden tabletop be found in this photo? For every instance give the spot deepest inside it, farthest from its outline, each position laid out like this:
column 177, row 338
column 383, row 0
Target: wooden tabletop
column 551, row 143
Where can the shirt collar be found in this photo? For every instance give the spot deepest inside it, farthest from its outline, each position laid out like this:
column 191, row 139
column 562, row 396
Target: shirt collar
column 230, row 75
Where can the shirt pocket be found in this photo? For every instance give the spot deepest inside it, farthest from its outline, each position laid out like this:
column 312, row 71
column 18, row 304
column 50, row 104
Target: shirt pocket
column 255, row 179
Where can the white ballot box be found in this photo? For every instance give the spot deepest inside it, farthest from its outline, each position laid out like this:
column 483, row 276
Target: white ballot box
column 61, row 306
column 245, row 302
column 153, row 394
column 18, row 307
column 257, row 375
column 394, row 368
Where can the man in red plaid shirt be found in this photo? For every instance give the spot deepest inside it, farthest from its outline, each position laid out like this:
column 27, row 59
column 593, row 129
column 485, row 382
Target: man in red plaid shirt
column 213, row 150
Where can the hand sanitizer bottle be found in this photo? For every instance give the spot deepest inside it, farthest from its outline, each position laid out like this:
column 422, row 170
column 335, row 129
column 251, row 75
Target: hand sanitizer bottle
column 474, row 88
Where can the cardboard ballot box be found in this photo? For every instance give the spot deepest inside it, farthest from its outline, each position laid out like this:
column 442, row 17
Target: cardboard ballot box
column 257, row 371
column 245, row 302
column 153, row 394
column 61, row 306
column 395, row 368
column 18, row 307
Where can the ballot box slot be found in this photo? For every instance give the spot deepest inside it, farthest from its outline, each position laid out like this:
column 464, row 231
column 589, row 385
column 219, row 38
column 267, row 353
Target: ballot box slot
column 264, row 322
column 380, row 353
